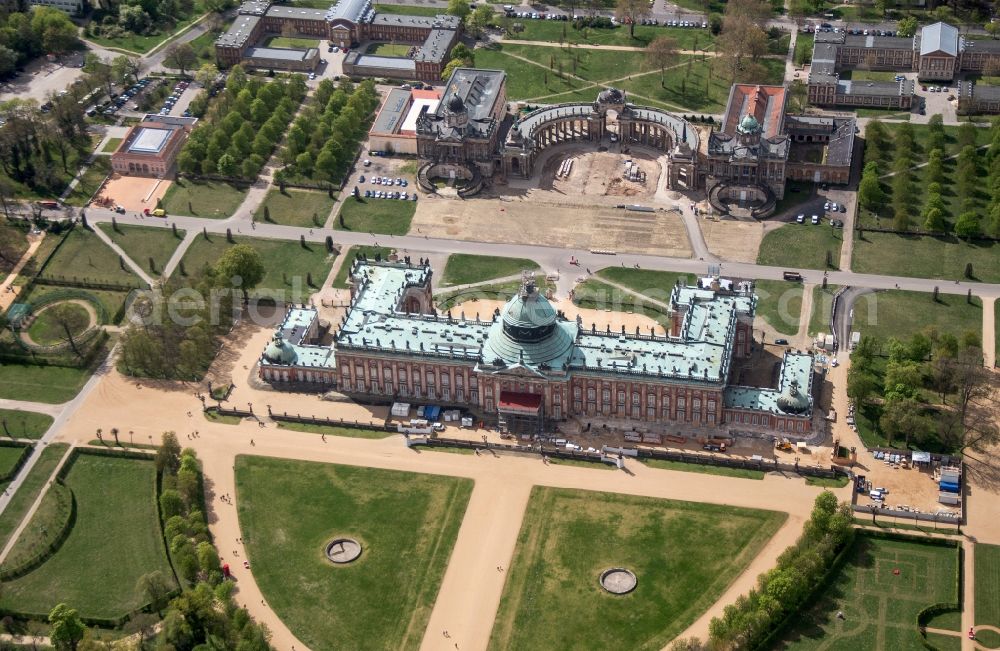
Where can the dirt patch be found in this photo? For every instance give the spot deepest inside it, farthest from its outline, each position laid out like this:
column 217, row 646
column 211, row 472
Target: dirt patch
column 134, row 193
column 567, row 224
column 732, row 240
column 633, row 175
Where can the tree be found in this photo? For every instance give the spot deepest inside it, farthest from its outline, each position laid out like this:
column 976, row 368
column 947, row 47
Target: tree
column 171, row 503
column 206, row 74
column 67, row 628
column 168, row 455
column 907, row 27
column 156, row 588
column 181, row 56
column 935, row 166
column 631, row 12
column 968, row 225
column 133, row 18
column 480, row 19
column 798, row 94
column 661, row 53
column 8, row 61
column 72, row 319
column 459, row 8
column 57, row 31
column 870, row 193
column 124, row 67
column 861, row 385
column 242, row 267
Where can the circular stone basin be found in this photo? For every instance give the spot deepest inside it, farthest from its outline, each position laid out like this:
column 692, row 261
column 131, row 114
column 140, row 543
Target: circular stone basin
column 618, row 580
column 343, row 550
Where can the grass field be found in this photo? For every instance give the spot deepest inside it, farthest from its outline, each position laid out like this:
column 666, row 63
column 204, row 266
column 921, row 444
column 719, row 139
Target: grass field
column 117, row 507
column 389, row 49
column 804, row 48
column 29, row 491
column 648, row 283
column 49, row 384
column 779, row 302
column 25, row 424
column 525, row 80
column 594, row 294
column 890, row 314
column 463, row 269
column 552, row 598
column 83, row 256
column 296, row 208
column 210, row 199
column 89, row 183
column 405, row 522
column 722, row 471
column 287, row 264
column 880, row 607
column 333, row 430
column 9, row 455
column 142, row 243
column 822, row 308
column 925, row 257
column 142, row 43
column 291, row 42
column 45, row 330
column 987, row 559
column 46, row 523
column 112, row 301
column 383, row 216
column 563, row 32
column 802, row 246
column 111, row 145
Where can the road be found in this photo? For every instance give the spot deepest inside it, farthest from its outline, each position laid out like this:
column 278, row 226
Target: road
column 551, row 258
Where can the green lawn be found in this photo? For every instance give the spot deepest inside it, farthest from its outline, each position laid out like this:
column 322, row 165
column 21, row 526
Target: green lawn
column 802, row 246
column 891, row 314
column 287, row 264
column 804, row 48
column 91, row 180
column 552, row 598
column 383, row 216
column 112, row 301
column 389, row 49
column 563, row 32
column 880, row 607
column 25, row 424
column 116, row 505
column 593, row 294
column 646, row 282
column 333, row 430
column 464, row 269
column 46, row 523
column 869, row 75
column 406, row 523
column 142, row 243
column 925, row 257
column 9, row 455
column 722, row 471
column 779, row 302
column 987, row 559
column 83, row 256
column 828, row 482
column 822, row 308
column 303, row 208
column 45, row 330
column 527, row 80
column 29, row 491
column 142, row 43
column 340, row 280
column 111, row 145
column 210, row 199
column 291, row 42
column 50, row 384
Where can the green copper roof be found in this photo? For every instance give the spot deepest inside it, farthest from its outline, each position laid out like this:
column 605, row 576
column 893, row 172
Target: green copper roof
column 749, row 124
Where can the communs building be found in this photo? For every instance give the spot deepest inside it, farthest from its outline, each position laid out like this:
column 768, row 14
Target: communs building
column 150, row 148
column 526, row 366
column 937, row 52
column 344, row 24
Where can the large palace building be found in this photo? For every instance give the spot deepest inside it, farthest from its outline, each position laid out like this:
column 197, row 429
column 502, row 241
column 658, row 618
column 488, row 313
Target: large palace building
column 345, row 24
column 473, row 134
column 526, row 366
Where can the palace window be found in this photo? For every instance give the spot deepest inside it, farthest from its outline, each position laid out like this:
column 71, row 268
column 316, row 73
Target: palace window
column 621, row 397
column 387, row 372
column 430, row 379
column 635, row 398
column 591, row 394
column 606, row 396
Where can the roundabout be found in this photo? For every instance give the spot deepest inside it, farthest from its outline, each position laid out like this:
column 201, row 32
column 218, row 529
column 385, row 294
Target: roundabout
column 618, row 580
column 341, row 551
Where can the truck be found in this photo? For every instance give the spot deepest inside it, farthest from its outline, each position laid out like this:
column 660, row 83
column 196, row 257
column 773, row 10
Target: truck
column 793, row 276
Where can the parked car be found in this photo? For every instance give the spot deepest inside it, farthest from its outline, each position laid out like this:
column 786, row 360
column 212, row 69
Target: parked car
column 815, row 219
column 781, row 342
column 801, row 219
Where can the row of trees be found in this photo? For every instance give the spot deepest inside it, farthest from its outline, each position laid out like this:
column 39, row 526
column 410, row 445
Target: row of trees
column 323, row 141
column 242, row 126
column 972, row 220
column 895, row 392
column 783, row 590
column 25, row 35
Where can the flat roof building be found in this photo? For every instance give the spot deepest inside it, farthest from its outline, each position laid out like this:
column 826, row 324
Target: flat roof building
column 395, row 126
column 978, row 99
column 150, row 148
